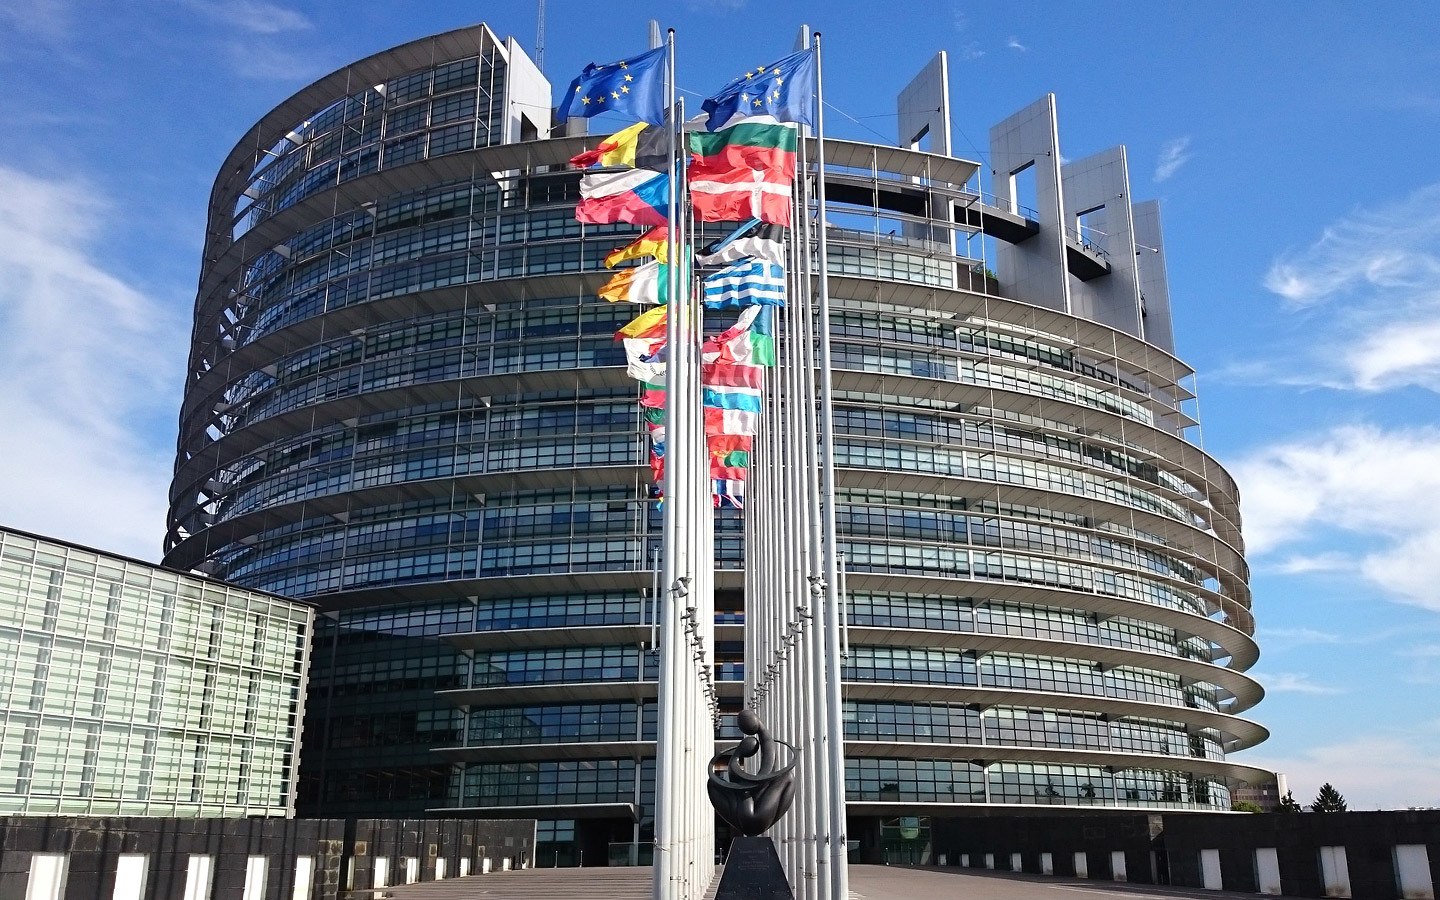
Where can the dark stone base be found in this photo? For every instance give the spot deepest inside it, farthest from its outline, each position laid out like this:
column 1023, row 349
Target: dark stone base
column 753, row 872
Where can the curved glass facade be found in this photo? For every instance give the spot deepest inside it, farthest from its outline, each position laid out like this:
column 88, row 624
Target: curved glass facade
column 406, row 405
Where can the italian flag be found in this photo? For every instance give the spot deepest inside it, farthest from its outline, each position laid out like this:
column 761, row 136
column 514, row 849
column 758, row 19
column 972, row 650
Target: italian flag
column 743, row 171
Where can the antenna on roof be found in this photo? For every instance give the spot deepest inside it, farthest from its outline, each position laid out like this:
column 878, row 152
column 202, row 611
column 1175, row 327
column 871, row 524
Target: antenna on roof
column 540, row 37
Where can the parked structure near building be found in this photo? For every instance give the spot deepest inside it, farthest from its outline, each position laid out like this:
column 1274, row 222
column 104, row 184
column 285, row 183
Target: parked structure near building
column 404, row 404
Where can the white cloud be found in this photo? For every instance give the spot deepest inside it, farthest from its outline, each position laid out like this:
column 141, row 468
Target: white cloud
column 251, row 16
column 1013, row 43
column 1313, row 564
column 1293, row 683
column 1373, row 279
column 1173, row 154
column 80, row 381
column 1382, row 487
column 1294, row 637
column 1393, row 246
column 1381, row 772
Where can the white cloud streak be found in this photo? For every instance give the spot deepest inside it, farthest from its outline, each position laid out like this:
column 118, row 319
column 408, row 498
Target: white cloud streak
column 1382, row 487
column 1173, row 154
column 1376, row 277
column 251, row 16
column 1013, row 43
column 1293, row 683
column 79, row 377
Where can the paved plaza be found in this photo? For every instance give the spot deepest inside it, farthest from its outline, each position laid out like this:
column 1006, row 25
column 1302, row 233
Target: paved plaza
column 866, row 883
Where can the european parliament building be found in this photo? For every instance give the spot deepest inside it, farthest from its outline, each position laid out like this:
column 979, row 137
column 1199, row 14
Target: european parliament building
column 404, row 404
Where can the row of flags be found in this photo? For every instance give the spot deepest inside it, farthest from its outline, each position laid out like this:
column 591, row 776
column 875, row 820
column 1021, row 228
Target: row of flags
column 740, row 169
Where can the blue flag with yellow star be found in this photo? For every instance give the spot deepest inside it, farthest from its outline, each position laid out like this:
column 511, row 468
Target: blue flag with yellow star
column 784, row 89
column 635, row 86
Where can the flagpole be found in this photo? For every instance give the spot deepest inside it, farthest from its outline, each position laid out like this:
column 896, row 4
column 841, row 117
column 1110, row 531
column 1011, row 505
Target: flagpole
column 834, row 731
column 666, row 780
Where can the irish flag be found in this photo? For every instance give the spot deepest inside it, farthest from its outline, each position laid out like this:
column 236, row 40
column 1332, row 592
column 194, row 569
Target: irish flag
column 743, row 171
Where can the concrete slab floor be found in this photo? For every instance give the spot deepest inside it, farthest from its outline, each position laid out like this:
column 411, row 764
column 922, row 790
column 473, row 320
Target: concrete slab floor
column 866, row 883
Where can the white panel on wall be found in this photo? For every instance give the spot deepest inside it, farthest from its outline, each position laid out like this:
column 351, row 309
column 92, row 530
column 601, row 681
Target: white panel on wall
column 1210, row 870
column 1335, row 871
column 439, row 868
column 464, row 866
column 47, row 876
column 1016, row 864
column 412, row 869
column 1412, row 872
column 199, row 872
column 1082, row 865
column 1047, row 863
column 1117, row 866
column 130, row 871
column 304, row 877
column 382, row 872
column 1267, row 870
column 256, row 868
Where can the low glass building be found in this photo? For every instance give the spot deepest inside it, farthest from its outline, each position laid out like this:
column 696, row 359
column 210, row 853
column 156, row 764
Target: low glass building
column 131, row 690
column 405, row 404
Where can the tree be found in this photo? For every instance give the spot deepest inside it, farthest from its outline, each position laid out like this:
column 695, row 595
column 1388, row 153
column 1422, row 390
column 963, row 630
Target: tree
column 1328, row 800
column 1288, row 804
column 1245, row 806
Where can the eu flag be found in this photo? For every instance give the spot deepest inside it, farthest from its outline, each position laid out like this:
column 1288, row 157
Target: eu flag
column 635, row 86
column 784, row 89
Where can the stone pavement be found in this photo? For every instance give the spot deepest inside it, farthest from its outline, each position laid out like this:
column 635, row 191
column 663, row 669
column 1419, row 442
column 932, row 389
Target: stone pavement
column 866, row 883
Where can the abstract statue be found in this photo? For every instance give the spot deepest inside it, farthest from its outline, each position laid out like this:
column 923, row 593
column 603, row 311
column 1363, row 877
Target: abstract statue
column 752, row 802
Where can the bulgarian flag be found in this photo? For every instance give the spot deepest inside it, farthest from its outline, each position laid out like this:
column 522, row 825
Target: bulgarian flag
column 653, row 396
column 743, row 171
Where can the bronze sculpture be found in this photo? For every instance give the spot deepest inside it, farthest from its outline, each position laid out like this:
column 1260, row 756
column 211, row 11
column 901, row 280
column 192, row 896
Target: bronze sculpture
column 752, row 802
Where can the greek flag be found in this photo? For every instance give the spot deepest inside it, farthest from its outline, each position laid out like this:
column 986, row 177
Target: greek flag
column 749, row 282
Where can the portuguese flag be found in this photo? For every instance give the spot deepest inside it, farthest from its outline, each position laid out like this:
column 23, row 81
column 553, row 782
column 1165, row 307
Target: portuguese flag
column 743, row 171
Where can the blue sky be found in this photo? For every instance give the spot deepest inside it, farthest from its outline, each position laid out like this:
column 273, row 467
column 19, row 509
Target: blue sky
column 1292, row 145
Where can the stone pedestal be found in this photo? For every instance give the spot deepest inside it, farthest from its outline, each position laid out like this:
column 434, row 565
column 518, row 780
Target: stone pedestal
column 753, row 872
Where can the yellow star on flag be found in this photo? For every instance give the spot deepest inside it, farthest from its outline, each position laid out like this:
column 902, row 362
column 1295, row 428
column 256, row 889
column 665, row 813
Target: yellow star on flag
column 585, row 100
column 629, row 77
column 624, row 88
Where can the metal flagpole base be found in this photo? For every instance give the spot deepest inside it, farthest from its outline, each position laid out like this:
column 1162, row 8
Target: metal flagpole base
column 753, row 872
